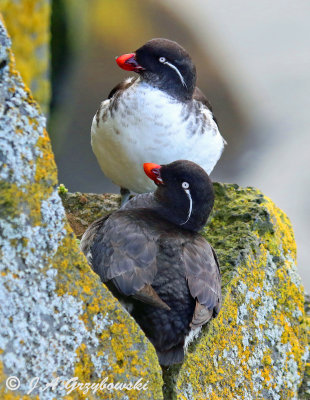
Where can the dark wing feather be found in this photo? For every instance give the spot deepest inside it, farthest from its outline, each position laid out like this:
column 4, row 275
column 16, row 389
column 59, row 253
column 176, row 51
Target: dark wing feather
column 145, row 200
column 148, row 295
column 124, row 251
column 204, row 280
column 122, row 86
column 89, row 237
column 199, row 96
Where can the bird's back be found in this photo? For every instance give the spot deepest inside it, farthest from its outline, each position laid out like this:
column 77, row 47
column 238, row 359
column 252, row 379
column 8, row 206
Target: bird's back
column 171, row 285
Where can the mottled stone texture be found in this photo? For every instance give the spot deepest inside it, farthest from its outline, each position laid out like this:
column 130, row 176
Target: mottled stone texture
column 257, row 347
column 56, row 318
column 28, row 24
column 304, row 390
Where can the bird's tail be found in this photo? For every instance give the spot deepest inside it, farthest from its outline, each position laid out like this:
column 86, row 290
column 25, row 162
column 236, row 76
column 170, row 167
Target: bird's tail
column 172, row 356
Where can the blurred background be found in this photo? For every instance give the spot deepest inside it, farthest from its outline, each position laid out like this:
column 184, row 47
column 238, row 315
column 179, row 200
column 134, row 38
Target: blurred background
column 253, row 63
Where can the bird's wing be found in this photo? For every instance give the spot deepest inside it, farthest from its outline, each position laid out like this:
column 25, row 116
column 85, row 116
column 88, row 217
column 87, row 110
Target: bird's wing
column 145, row 200
column 88, row 237
column 204, row 280
column 124, row 251
column 125, row 84
column 111, row 102
column 199, row 96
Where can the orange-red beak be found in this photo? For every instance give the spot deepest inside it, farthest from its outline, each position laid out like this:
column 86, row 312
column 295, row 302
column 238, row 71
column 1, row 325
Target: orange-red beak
column 129, row 62
column 153, row 172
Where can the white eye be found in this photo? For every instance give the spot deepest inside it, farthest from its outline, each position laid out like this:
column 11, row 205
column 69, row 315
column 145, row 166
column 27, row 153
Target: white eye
column 185, row 185
column 162, row 59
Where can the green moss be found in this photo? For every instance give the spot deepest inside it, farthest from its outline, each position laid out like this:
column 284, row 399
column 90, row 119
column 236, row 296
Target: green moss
column 62, row 189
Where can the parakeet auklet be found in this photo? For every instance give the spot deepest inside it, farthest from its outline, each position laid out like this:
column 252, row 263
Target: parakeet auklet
column 160, row 115
column 151, row 256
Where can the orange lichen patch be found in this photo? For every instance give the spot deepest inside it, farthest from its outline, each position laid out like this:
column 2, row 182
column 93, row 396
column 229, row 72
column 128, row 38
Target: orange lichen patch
column 74, row 264
column 293, row 292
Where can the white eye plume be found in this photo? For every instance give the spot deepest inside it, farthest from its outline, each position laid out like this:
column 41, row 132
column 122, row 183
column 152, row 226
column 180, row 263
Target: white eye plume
column 163, row 60
column 185, row 186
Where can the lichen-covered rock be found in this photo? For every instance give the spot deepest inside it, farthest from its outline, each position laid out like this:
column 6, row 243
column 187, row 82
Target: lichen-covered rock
column 28, row 24
column 257, row 347
column 57, row 321
column 84, row 208
column 304, row 390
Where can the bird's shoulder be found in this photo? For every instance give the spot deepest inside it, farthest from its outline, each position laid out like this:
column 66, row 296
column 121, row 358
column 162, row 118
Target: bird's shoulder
column 201, row 99
column 89, row 236
column 125, row 226
column 199, row 96
column 110, row 104
column 120, row 87
column 124, row 244
column 144, row 200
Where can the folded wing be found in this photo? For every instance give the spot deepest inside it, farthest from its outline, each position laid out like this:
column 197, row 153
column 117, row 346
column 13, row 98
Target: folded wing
column 124, row 252
column 204, row 280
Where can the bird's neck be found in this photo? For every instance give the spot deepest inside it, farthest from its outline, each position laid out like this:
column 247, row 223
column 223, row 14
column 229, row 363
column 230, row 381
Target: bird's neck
column 179, row 216
column 171, row 88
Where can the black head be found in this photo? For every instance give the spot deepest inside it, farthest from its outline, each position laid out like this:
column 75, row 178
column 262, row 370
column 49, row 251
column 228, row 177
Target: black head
column 163, row 64
column 185, row 193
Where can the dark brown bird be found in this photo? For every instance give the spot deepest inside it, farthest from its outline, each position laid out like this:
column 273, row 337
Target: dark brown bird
column 151, row 256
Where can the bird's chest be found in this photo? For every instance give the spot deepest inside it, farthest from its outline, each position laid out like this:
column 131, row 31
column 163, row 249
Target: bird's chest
column 143, row 124
column 148, row 116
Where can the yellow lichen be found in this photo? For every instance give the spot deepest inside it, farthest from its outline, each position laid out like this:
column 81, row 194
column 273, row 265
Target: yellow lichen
column 6, row 394
column 117, row 340
column 220, row 367
column 28, row 23
column 45, row 167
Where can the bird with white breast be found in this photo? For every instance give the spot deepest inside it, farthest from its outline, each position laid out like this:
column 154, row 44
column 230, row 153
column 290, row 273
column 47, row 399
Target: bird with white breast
column 158, row 115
